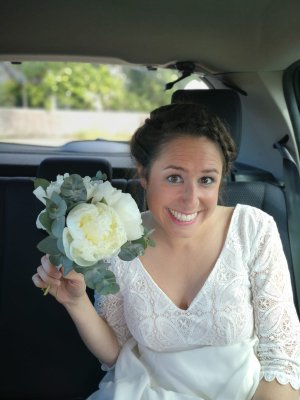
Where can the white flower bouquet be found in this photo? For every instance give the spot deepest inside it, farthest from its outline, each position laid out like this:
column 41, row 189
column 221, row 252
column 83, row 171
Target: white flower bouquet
column 88, row 221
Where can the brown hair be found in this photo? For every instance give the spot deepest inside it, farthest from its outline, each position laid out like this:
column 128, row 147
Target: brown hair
column 172, row 121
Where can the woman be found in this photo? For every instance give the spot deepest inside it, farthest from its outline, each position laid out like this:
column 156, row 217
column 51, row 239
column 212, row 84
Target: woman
column 208, row 312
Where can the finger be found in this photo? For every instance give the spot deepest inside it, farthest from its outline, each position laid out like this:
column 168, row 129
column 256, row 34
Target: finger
column 72, row 275
column 38, row 282
column 49, row 268
column 48, row 279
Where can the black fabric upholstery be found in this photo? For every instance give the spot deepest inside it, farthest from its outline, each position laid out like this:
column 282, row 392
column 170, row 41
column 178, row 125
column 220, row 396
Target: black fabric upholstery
column 224, row 102
column 265, row 196
column 137, row 192
column 53, row 166
column 41, row 352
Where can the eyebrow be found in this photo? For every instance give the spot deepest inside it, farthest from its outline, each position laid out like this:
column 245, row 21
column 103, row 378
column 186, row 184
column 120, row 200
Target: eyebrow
column 205, row 171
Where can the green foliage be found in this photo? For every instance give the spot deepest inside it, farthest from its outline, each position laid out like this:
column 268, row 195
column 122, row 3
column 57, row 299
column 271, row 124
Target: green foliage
column 53, row 219
column 86, row 86
column 73, row 190
column 136, row 248
column 41, row 182
column 100, row 278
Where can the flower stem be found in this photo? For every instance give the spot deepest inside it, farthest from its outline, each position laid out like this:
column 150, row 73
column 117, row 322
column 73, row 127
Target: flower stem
column 46, row 291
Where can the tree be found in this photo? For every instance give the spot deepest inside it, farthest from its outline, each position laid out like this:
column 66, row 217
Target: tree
column 86, row 86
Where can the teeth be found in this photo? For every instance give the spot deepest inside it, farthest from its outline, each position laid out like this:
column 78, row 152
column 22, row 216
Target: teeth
column 183, row 217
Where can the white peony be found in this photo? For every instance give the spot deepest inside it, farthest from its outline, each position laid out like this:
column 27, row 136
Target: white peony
column 130, row 215
column 104, row 190
column 93, row 232
column 124, row 205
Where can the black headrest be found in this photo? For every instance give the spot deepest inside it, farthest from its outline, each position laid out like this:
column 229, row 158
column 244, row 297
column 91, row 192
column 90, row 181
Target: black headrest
column 51, row 167
column 223, row 102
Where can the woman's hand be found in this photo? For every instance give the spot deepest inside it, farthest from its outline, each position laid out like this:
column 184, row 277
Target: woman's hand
column 67, row 290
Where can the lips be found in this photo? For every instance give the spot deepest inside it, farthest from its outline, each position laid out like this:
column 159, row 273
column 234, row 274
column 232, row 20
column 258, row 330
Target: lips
column 183, row 217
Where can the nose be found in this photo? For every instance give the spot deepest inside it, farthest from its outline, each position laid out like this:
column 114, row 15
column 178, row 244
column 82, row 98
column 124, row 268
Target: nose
column 190, row 196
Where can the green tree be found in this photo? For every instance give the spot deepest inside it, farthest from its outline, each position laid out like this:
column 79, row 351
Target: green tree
column 74, row 86
column 86, row 86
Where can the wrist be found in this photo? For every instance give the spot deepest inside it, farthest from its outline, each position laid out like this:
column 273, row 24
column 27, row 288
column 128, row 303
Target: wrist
column 77, row 303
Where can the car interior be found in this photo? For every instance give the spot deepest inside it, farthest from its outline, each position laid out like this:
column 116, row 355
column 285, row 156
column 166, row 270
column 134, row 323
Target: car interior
column 247, row 54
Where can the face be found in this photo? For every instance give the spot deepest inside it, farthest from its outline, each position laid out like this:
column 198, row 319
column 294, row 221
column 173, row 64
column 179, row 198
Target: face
column 183, row 185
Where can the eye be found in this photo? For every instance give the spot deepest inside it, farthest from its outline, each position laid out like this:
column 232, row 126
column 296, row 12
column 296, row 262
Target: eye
column 207, row 180
column 174, row 179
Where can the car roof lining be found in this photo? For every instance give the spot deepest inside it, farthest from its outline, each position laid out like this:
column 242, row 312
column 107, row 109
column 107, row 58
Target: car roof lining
column 218, row 36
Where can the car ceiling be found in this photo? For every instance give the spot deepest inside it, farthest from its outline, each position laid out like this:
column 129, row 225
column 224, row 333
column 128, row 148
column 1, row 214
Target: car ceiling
column 219, row 36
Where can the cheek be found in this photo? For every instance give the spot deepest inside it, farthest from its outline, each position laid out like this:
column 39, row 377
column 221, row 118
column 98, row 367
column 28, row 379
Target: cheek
column 211, row 196
column 157, row 195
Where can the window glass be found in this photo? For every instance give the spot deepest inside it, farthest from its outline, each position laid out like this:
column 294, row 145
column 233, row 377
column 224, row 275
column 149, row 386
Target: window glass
column 51, row 103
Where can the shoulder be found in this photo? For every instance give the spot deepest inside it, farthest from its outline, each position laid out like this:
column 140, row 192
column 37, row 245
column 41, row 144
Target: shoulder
column 251, row 215
column 253, row 224
column 124, row 271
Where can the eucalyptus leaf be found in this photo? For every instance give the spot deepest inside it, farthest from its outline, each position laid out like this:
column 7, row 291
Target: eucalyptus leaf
column 41, row 182
column 73, row 189
column 67, row 264
column 56, row 198
column 46, row 221
column 130, row 250
column 97, row 266
column 104, row 288
column 48, row 246
column 91, row 278
column 58, row 226
column 102, row 280
column 56, row 206
column 60, row 245
column 101, row 176
column 71, row 204
column 56, row 259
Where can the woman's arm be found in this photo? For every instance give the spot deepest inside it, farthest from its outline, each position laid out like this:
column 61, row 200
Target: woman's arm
column 70, row 291
column 97, row 335
column 276, row 321
column 275, row 391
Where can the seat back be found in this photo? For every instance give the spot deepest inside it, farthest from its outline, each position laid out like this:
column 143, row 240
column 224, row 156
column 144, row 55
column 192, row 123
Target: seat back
column 50, row 167
column 41, row 351
column 226, row 104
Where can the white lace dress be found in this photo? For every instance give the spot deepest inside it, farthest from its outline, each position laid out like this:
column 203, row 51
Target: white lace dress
column 241, row 326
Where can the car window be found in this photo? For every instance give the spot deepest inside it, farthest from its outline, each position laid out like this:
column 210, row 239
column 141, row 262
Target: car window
column 51, row 103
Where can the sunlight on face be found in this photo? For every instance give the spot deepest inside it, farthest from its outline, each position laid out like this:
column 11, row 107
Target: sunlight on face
column 183, row 185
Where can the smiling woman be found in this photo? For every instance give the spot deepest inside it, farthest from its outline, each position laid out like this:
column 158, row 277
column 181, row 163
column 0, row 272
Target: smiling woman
column 216, row 285
column 190, row 318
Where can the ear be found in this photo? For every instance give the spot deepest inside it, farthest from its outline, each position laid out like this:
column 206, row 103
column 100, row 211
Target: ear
column 141, row 173
column 143, row 183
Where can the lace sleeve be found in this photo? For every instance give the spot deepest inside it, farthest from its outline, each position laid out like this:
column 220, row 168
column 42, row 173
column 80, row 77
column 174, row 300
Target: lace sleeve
column 110, row 308
column 276, row 321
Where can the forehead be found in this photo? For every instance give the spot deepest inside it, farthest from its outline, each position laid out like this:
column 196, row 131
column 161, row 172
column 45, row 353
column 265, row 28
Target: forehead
column 190, row 150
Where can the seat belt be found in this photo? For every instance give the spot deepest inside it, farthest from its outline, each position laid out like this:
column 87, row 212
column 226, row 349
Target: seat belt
column 291, row 178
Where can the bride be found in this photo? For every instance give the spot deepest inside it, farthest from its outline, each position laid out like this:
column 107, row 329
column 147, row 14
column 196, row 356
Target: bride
column 208, row 312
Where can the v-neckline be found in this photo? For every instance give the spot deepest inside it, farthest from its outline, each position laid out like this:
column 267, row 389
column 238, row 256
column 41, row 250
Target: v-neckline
column 209, row 277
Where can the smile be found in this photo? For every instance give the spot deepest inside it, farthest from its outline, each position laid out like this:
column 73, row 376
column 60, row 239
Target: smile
column 183, row 217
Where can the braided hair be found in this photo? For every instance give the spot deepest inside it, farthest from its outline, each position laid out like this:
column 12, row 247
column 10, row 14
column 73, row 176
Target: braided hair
column 173, row 121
